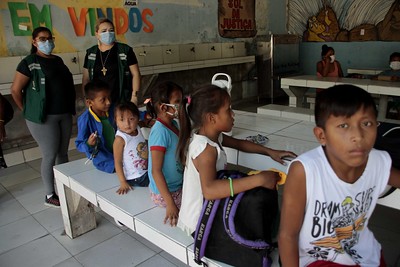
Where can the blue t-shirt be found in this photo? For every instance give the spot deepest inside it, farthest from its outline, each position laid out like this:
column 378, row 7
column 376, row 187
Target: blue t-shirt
column 163, row 138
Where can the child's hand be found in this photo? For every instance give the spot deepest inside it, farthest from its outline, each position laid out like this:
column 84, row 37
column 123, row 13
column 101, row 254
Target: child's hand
column 92, row 139
column 269, row 179
column 171, row 215
column 280, row 155
column 124, row 188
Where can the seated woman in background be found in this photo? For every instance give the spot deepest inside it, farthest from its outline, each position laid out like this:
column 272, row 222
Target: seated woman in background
column 328, row 66
column 394, row 73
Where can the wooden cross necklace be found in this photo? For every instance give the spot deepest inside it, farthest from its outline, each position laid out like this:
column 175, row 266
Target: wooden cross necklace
column 104, row 70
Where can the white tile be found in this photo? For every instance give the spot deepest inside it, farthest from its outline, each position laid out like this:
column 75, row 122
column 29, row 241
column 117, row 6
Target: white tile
column 104, row 231
column 35, row 164
column 302, row 130
column 14, row 158
column 10, row 209
column 71, row 262
column 19, row 233
column 172, row 259
column 51, row 219
column 125, row 251
column 296, row 115
column 13, row 176
column 144, row 241
column 44, row 251
column 32, row 153
column 157, row 260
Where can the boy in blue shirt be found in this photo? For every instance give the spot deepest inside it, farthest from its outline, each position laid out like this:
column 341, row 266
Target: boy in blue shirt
column 96, row 127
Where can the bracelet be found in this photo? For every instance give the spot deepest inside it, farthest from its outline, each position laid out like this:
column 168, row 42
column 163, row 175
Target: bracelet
column 231, row 186
column 135, row 93
column 2, row 121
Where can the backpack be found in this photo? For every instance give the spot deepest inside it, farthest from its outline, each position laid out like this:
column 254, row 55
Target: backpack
column 388, row 139
column 237, row 230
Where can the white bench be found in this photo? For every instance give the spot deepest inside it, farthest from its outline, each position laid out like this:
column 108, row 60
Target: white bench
column 297, row 113
column 296, row 87
column 135, row 209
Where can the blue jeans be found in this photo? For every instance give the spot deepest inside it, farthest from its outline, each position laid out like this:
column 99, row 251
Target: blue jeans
column 142, row 181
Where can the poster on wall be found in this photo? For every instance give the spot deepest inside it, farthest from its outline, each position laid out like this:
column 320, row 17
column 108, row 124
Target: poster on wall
column 236, row 18
column 345, row 20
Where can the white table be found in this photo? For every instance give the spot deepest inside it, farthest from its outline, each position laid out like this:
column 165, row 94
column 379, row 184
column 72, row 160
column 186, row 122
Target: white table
column 296, row 86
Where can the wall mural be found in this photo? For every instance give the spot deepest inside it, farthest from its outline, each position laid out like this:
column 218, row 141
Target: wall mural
column 345, row 20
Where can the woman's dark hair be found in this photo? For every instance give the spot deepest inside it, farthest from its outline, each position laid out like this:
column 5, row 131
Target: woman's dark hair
column 325, row 49
column 128, row 106
column 393, row 55
column 161, row 93
column 35, row 34
column 341, row 100
column 204, row 100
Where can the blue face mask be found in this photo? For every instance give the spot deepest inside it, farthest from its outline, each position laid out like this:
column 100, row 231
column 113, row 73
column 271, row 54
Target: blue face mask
column 107, row 38
column 46, row 47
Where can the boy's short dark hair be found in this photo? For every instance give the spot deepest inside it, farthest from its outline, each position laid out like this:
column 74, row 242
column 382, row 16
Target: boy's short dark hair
column 341, row 100
column 393, row 55
column 95, row 86
column 128, row 106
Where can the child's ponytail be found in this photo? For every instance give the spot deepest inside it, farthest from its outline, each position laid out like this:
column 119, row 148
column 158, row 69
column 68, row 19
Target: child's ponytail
column 185, row 129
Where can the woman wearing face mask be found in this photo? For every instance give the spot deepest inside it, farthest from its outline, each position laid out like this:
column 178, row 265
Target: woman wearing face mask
column 114, row 63
column 43, row 88
column 394, row 73
column 328, row 66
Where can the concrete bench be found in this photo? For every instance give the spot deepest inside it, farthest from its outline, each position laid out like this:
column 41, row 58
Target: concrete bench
column 297, row 113
column 82, row 187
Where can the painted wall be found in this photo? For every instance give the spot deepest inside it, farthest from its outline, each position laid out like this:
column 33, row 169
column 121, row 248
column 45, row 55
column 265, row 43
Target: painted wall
column 367, row 55
column 151, row 22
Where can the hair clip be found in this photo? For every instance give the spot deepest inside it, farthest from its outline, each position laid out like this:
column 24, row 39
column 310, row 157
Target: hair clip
column 147, row 100
column 189, row 99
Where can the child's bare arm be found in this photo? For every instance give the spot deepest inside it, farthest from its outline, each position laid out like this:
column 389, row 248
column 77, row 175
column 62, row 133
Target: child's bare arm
column 118, row 150
column 247, row 146
column 394, row 179
column 172, row 211
column 292, row 215
column 214, row 188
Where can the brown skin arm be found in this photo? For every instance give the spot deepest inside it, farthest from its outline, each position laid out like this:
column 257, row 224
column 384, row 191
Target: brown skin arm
column 292, row 215
column 394, row 179
column 2, row 129
column 135, row 82
column 323, row 69
column 250, row 147
column 118, row 150
column 19, row 83
column 214, row 188
column 85, row 79
column 172, row 211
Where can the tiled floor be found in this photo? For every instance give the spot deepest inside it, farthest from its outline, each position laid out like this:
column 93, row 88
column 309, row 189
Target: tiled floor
column 31, row 234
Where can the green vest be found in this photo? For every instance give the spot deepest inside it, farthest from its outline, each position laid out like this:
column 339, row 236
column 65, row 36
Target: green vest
column 35, row 92
column 124, row 73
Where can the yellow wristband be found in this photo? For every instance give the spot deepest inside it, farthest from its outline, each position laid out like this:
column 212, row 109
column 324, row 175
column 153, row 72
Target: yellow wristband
column 231, row 186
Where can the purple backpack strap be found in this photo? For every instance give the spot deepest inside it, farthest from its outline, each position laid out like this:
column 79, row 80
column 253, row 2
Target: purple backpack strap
column 203, row 229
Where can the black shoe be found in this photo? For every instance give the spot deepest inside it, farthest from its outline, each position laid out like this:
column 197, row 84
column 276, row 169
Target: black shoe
column 52, row 201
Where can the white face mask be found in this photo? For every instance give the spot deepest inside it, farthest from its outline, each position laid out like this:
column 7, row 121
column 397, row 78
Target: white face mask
column 332, row 58
column 395, row 65
column 176, row 107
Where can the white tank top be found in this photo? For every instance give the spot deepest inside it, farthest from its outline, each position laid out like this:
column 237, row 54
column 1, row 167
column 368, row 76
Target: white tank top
column 135, row 154
column 335, row 226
